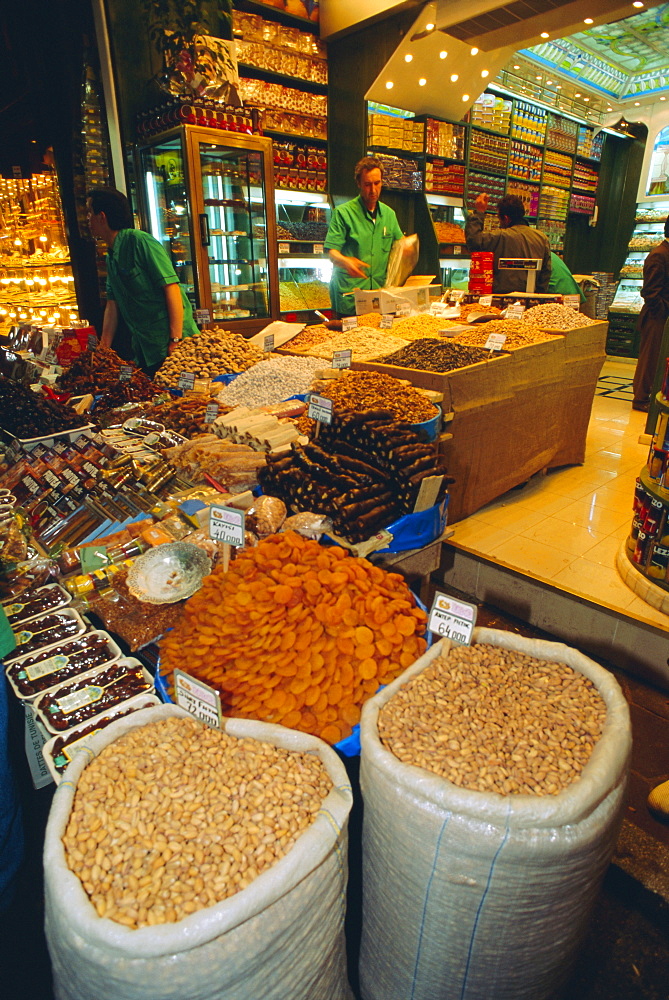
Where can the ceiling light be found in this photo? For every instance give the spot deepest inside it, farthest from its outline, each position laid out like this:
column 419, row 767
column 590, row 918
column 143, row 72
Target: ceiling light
column 408, row 57
column 577, row 95
column 475, row 51
column 422, row 81
column 485, row 73
column 537, row 78
column 549, row 83
column 637, row 3
column 516, row 67
column 586, row 98
column 465, row 97
column 429, row 26
column 588, row 20
column 454, row 77
column 544, row 34
column 663, row 98
column 611, row 109
column 443, row 54
column 559, row 86
column 636, row 104
column 389, row 84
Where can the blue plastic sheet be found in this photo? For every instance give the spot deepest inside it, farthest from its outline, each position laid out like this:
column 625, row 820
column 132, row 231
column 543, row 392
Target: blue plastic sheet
column 413, row 531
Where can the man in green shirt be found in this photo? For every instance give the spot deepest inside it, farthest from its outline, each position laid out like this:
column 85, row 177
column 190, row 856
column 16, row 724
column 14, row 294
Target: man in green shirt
column 562, row 280
column 141, row 283
column 359, row 238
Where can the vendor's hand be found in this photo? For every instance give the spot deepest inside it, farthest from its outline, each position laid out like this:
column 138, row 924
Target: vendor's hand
column 172, row 346
column 481, row 203
column 354, row 267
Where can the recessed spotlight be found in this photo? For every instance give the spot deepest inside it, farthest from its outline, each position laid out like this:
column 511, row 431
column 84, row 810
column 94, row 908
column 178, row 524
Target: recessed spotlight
column 558, row 86
column 586, row 98
column 408, row 57
column 454, row 77
column 549, row 83
column 636, row 104
column 637, row 3
column 389, row 85
column 422, row 81
column 475, row 51
column 465, row 97
column 611, row 109
column 662, row 99
column 429, row 26
column 544, row 34
column 588, row 20
column 516, row 67
column 577, row 95
column 485, row 73
column 443, row 54
column 537, row 78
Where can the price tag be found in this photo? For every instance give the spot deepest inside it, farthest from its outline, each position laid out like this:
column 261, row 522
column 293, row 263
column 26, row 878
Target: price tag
column 318, row 248
column 198, row 698
column 458, row 294
column 495, row 342
column 485, row 300
column 284, row 248
column 93, row 557
column 92, row 342
column 403, row 309
column 34, row 740
column 438, row 309
column 572, row 300
column 457, row 250
column 515, row 311
column 452, row 619
column 227, row 524
column 202, row 316
column 211, row 413
column 349, row 323
column 387, row 320
column 125, row 373
column 268, row 343
column 342, row 359
column 320, row 408
column 186, row 381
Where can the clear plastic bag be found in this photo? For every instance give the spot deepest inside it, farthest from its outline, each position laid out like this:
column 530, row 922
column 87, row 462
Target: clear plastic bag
column 403, row 258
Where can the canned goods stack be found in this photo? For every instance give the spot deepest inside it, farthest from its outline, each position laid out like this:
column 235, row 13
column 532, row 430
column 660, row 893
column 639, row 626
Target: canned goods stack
column 481, row 273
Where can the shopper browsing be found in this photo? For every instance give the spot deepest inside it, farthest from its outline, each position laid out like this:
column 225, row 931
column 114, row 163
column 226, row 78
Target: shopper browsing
column 652, row 318
column 514, row 238
column 141, row 283
column 360, row 238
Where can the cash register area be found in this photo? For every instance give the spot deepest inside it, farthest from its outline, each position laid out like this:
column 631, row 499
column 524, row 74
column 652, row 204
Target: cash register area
column 566, row 527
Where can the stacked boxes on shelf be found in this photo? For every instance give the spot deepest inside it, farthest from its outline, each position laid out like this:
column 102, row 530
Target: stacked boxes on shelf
column 492, row 112
column 582, row 204
column 554, row 231
column 488, row 152
column 528, row 194
column 589, row 144
column 400, row 174
column 444, row 178
column 585, row 178
column 272, row 46
column 557, row 168
column 524, row 162
column 299, row 167
column 444, row 139
column 494, row 187
column 396, row 133
column 561, row 133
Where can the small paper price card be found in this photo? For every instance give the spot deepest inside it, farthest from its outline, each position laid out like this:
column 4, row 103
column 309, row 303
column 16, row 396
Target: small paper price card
column 439, row 309
column 572, row 300
column 457, row 250
column 92, row 342
column 387, row 320
column 452, row 619
column 211, row 413
column 268, row 343
column 320, row 408
column 349, row 323
column 227, row 524
column 403, row 309
column 125, row 373
column 284, row 248
column 186, row 381
column 457, row 294
column 198, row 698
column 202, row 316
column 342, row 359
column 515, row 311
column 318, row 248
column 495, row 342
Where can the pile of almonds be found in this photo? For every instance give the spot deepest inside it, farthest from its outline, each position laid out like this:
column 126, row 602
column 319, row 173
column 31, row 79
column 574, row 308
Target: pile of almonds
column 496, row 720
column 174, row 817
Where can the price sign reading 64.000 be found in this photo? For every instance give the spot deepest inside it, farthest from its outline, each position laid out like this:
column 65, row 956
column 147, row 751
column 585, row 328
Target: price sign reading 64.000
column 452, row 619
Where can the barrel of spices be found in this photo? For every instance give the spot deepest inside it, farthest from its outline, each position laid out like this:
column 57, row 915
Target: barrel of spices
column 182, row 862
column 493, row 781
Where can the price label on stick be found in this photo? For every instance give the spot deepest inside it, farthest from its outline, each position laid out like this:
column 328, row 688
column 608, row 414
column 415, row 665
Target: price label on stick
column 572, row 300
column 284, row 248
column 198, row 698
column 495, row 342
column 320, row 408
column 227, row 524
column 342, row 359
column 125, row 373
column 186, row 381
column 387, row 320
column 202, row 316
column 485, row 300
column 318, row 248
column 515, row 311
column 268, row 343
column 403, row 309
column 92, row 342
column 211, row 413
column 452, row 619
column 349, row 323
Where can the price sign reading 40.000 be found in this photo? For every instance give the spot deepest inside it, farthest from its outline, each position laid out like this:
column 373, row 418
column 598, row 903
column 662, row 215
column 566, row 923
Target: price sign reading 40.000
column 452, row 619
column 227, row 525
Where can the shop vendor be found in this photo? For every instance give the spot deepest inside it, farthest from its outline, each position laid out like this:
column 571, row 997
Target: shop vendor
column 514, row 238
column 360, row 238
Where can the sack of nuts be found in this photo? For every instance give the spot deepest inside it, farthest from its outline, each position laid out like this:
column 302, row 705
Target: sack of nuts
column 493, row 780
column 187, row 861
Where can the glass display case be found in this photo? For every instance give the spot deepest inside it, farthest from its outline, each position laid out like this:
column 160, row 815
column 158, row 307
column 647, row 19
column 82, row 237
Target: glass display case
column 448, row 218
column 304, row 269
column 648, row 232
column 209, row 199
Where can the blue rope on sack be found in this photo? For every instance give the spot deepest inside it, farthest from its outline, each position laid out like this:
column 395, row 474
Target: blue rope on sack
column 425, row 905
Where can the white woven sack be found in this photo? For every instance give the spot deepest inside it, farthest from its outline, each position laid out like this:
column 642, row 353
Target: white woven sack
column 281, row 938
column 478, row 896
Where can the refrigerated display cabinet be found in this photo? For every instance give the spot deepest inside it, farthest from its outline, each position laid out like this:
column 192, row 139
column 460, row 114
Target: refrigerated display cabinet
column 209, row 199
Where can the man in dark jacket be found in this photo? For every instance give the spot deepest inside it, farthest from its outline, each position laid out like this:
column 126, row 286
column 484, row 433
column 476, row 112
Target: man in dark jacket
column 653, row 316
column 514, row 238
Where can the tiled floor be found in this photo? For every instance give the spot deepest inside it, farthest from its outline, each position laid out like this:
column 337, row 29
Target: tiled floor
column 565, row 528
